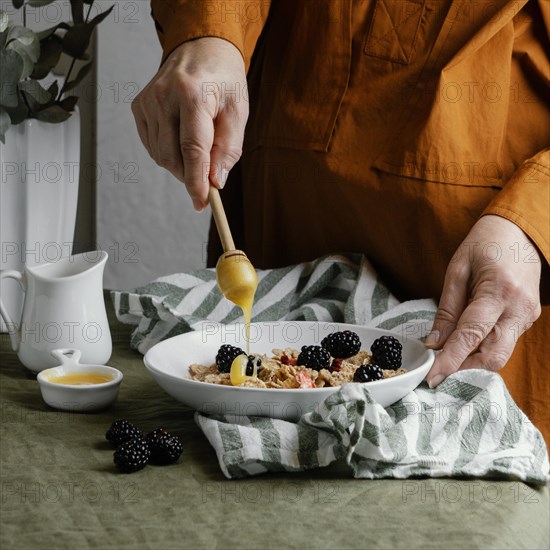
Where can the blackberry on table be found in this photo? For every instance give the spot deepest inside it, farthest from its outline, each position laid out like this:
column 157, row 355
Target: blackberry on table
column 251, row 361
column 132, row 455
column 121, row 430
column 386, row 352
column 225, row 357
column 342, row 345
column 314, row 357
column 368, row 373
column 165, row 448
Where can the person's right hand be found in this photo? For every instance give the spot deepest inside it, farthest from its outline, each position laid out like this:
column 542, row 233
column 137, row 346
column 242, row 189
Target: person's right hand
column 191, row 116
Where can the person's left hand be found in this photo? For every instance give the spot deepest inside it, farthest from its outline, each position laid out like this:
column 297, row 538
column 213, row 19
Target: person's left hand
column 490, row 297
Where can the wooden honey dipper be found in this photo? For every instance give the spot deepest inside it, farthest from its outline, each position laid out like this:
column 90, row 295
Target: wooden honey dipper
column 237, row 278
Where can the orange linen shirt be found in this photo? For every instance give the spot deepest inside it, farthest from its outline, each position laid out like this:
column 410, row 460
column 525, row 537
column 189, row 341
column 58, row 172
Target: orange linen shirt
column 389, row 127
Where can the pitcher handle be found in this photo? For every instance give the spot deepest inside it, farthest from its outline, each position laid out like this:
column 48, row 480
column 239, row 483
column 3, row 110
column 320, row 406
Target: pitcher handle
column 13, row 328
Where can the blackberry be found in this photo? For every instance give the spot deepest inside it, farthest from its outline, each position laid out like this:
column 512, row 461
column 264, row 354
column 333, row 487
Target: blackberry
column 386, row 352
column 342, row 345
column 132, row 455
column 253, row 360
column 165, row 448
column 225, row 356
column 368, row 373
column 121, row 431
column 314, row 357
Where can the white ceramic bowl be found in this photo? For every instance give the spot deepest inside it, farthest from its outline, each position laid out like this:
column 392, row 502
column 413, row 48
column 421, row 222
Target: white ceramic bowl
column 169, row 362
column 78, row 398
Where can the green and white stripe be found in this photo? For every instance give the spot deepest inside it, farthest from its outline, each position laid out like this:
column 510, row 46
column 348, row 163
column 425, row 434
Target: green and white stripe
column 469, row 427
column 334, row 288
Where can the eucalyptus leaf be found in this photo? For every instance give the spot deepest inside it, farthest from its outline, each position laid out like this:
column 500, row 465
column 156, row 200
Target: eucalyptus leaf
column 5, row 123
column 42, row 35
column 20, row 112
column 28, row 63
column 79, row 77
column 52, row 114
column 39, row 3
column 69, row 103
column 26, row 44
column 4, row 21
column 50, row 52
column 36, row 91
column 32, row 104
column 100, row 17
column 53, row 88
column 77, row 38
column 26, row 37
column 77, row 10
column 27, row 57
column 11, row 69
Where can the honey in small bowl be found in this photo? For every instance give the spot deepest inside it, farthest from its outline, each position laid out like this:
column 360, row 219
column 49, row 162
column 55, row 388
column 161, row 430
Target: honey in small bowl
column 81, row 379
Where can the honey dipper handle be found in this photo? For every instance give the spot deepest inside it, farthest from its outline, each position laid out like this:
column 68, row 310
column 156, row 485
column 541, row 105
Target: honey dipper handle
column 221, row 219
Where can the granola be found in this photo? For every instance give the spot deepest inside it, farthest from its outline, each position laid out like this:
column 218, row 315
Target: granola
column 281, row 371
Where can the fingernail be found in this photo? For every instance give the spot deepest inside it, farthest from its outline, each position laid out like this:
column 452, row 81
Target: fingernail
column 225, row 174
column 432, row 339
column 435, row 380
column 199, row 207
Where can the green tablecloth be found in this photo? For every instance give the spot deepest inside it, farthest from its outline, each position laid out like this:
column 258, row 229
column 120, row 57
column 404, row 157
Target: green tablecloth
column 60, row 488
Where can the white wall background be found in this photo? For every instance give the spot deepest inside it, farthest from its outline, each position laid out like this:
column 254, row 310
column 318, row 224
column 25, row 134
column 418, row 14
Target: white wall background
column 145, row 220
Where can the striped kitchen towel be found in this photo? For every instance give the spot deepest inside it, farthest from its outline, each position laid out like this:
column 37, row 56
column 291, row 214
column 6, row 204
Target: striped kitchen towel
column 469, row 426
column 333, row 288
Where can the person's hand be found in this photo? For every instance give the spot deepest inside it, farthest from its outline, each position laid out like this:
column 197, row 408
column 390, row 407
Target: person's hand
column 490, row 297
column 191, row 116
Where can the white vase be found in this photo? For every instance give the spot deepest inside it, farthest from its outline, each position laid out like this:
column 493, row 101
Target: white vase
column 39, row 174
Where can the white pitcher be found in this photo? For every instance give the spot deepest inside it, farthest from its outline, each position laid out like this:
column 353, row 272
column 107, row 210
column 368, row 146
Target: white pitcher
column 63, row 308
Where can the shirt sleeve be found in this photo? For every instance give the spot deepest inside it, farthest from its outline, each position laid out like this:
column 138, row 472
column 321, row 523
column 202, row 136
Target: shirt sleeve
column 525, row 200
column 238, row 21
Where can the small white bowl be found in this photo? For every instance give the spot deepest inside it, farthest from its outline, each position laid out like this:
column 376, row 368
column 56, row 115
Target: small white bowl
column 73, row 397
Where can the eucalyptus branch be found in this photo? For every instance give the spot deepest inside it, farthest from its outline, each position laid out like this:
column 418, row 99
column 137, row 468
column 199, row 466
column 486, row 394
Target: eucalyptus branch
column 71, row 66
column 26, row 102
column 27, row 57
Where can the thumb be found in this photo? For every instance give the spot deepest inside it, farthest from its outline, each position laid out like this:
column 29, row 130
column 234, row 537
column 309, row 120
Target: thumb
column 196, row 135
column 228, row 142
column 453, row 301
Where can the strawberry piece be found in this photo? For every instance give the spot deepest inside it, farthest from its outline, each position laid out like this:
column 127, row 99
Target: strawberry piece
column 304, row 379
column 336, row 365
column 286, row 360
